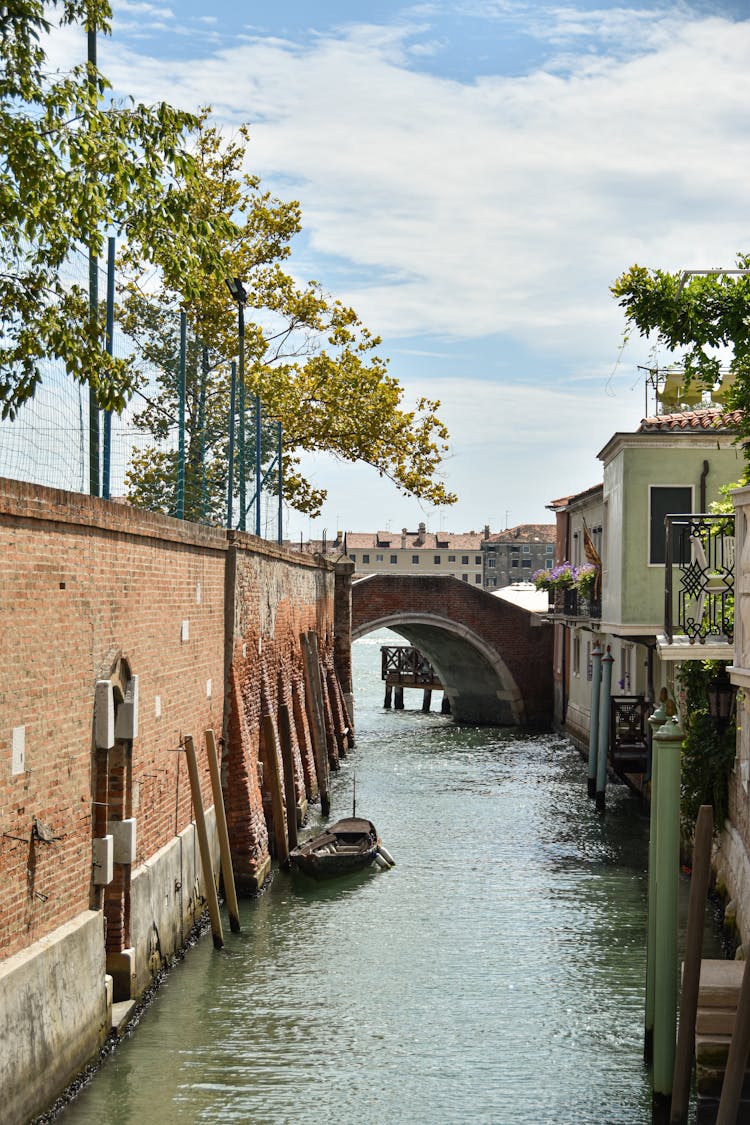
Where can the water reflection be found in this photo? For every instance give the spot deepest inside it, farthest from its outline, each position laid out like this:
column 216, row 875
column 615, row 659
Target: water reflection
column 495, row 975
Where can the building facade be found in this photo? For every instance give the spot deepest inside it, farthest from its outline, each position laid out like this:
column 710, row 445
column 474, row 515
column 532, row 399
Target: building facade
column 418, row 552
column 515, row 554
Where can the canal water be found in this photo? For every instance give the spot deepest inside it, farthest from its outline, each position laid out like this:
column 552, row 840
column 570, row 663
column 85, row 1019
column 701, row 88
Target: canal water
column 495, row 975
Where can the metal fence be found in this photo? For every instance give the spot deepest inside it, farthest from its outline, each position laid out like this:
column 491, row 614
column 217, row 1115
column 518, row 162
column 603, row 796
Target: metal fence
column 180, row 466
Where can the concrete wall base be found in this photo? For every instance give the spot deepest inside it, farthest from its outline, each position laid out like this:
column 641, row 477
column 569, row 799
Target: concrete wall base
column 55, row 1013
column 732, row 866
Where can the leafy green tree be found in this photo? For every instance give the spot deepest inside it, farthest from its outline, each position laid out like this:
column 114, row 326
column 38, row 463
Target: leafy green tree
column 705, row 316
column 72, row 167
column 308, row 356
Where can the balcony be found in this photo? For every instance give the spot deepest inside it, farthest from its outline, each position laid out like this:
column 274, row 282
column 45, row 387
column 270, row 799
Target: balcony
column 571, row 604
column 699, row 588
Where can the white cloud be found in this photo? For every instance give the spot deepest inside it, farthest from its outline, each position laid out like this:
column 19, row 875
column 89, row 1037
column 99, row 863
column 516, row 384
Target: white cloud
column 508, row 204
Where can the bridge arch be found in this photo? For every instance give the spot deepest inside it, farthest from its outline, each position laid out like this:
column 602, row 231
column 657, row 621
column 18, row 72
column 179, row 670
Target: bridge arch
column 493, row 658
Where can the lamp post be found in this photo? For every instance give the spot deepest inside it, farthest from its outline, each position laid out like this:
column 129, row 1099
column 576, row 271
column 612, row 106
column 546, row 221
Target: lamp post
column 239, row 295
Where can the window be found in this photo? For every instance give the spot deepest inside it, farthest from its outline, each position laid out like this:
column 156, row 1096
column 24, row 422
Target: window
column 365, row 558
column 464, row 560
column 451, row 558
column 491, row 562
column 477, row 560
column 378, row 558
column 548, row 563
column 415, row 559
column 492, row 581
column 526, row 562
column 670, row 500
column 353, row 558
column 626, row 664
column 526, row 549
column 576, row 655
column 477, row 578
column 514, row 562
column 549, row 549
column 464, row 578
column 394, row 559
column 436, row 560
column 515, row 548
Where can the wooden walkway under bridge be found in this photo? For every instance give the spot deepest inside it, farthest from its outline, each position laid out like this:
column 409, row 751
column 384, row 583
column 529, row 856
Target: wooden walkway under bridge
column 403, row 666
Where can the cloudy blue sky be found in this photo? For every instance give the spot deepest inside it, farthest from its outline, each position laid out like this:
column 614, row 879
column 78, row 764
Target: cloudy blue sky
column 473, row 175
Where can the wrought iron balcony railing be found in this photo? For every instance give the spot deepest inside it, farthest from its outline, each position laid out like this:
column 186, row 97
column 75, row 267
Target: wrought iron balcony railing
column 576, row 604
column 699, row 578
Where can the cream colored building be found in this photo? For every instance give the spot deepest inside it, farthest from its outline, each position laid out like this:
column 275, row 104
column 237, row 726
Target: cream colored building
column 417, row 552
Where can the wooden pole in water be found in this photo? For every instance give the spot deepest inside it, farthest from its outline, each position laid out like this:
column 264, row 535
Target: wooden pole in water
column 667, row 747
column 603, row 743
column 315, row 722
column 426, row 699
column 227, row 870
column 277, row 800
column 683, row 1065
column 596, row 681
column 287, row 760
column 731, row 1090
column 200, row 827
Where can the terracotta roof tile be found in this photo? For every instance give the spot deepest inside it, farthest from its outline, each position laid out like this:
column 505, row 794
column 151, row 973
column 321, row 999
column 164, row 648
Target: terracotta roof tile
column 692, row 421
column 525, row 533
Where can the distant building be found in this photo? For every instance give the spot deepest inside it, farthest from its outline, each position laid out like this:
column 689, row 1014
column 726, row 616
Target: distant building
column 418, row 552
column 515, row 554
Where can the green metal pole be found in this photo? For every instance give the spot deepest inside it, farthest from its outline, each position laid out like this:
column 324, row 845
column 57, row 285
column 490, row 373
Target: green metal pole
column 93, row 302
column 603, row 746
column 241, row 330
column 280, row 529
column 180, row 508
column 202, row 429
column 656, row 721
column 667, row 747
column 596, row 683
column 230, row 470
column 107, row 459
column 258, row 484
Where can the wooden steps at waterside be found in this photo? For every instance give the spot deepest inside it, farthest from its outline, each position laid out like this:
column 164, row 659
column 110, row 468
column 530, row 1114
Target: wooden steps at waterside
column 718, row 993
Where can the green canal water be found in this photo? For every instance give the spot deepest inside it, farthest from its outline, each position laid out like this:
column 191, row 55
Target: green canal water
column 495, row 975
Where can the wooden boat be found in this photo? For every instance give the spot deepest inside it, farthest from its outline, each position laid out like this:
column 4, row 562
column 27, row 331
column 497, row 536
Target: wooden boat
column 348, row 845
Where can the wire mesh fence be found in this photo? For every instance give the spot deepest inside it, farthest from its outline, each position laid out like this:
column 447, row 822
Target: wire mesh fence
column 163, row 452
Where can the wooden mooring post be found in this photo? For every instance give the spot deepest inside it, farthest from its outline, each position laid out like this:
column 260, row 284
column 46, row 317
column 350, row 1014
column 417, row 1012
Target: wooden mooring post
column 314, row 708
column 287, row 761
column 205, row 852
column 277, row 798
column 227, row 871
column 704, row 827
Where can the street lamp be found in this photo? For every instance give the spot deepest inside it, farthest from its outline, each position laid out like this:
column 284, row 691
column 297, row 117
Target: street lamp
column 239, row 295
column 720, row 697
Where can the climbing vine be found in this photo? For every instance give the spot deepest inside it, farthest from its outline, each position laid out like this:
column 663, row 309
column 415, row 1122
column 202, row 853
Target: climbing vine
column 708, row 752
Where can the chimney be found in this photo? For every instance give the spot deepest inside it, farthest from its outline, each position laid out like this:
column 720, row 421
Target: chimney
column 486, row 531
column 403, row 538
column 421, row 536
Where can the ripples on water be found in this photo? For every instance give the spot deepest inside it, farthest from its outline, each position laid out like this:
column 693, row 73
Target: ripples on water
column 494, row 975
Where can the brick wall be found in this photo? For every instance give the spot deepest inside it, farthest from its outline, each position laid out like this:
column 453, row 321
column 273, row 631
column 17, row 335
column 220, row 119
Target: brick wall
column 210, row 624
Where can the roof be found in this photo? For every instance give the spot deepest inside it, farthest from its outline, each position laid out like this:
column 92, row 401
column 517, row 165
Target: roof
column 525, row 533
column 414, row 540
column 565, row 501
column 692, row 421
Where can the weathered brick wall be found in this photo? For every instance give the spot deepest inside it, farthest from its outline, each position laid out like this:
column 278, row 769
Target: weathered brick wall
column 209, row 623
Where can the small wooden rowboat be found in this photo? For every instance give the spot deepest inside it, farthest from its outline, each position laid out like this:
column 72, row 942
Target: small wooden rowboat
column 348, row 845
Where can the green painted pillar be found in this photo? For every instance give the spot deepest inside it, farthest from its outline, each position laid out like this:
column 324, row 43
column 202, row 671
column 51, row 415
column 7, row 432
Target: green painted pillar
column 667, row 748
column 603, row 744
column 656, row 721
column 596, row 681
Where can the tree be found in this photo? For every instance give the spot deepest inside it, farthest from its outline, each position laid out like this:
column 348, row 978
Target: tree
column 308, row 356
column 71, row 167
column 708, row 316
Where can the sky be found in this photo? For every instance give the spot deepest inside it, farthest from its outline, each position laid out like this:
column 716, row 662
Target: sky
column 473, row 176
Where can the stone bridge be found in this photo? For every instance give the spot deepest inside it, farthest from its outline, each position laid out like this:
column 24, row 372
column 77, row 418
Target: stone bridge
column 493, row 658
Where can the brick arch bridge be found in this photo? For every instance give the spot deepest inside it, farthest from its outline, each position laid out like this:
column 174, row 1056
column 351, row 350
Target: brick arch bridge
column 493, row 658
